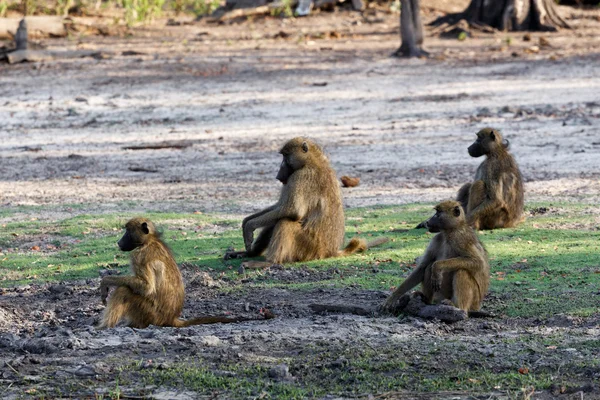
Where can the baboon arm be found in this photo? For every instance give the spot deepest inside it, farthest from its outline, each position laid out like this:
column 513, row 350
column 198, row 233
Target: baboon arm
column 416, row 277
column 493, row 200
column 258, row 214
column 469, row 264
column 267, row 219
column 413, row 280
column 145, row 286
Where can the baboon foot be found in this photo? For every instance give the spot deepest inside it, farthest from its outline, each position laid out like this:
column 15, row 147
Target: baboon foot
column 231, row 254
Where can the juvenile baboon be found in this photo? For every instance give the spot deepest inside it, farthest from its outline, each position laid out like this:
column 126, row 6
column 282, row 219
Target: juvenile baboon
column 454, row 269
column 154, row 294
column 495, row 198
column 307, row 223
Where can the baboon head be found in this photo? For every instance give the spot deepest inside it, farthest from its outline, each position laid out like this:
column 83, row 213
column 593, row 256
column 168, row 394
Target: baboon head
column 137, row 232
column 488, row 141
column 296, row 154
column 448, row 215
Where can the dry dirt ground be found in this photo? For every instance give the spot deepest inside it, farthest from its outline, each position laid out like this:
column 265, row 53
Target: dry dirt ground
column 236, row 92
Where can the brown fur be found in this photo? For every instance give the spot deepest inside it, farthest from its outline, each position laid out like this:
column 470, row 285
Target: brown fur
column 454, row 269
column 307, row 223
column 495, row 198
column 154, row 293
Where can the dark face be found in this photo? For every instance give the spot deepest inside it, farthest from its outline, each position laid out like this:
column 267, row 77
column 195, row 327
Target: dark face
column 485, row 142
column 443, row 219
column 476, row 150
column 433, row 224
column 130, row 240
column 285, row 171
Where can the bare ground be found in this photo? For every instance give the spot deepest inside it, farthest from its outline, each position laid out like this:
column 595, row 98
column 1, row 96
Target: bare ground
column 237, row 93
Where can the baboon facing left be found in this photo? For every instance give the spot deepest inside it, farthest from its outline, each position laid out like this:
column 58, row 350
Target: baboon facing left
column 154, row 294
column 454, row 269
column 307, row 223
column 495, row 198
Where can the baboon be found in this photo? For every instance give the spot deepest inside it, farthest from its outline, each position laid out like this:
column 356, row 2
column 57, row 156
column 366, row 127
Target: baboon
column 454, row 269
column 307, row 222
column 495, row 198
column 154, row 294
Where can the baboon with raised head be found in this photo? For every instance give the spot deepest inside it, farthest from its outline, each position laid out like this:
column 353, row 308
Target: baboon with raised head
column 307, row 222
column 495, row 198
column 154, row 294
column 454, row 269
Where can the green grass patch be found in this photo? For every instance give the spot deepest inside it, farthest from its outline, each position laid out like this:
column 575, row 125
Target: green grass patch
column 549, row 264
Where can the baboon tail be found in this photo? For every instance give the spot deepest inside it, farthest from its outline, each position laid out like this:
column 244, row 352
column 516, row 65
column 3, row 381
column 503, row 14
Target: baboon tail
column 480, row 314
column 377, row 242
column 357, row 245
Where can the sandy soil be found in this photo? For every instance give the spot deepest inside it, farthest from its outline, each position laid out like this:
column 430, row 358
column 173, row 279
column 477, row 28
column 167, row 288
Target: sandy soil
column 237, row 92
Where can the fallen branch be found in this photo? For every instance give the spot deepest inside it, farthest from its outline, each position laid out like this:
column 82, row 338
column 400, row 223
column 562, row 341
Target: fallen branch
column 49, row 55
column 142, row 169
column 256, row 264
column 159, row 146
column 336, row 308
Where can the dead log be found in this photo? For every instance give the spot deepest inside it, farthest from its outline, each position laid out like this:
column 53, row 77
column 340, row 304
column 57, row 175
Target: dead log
column 37, row 26
column 337, row 308
column 49, row 55
column 509, row 15
column 162, row 145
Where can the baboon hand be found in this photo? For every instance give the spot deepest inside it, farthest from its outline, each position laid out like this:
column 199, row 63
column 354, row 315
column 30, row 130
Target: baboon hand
column 232, row 254
column 103, row 293
column 436, row 279
column 394, row 304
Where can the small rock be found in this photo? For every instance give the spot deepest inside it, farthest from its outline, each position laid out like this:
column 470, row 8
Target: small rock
column 205, row 279
column 210, row 341
column 544, row 42
column 83, row 370
column 58, row 289
column 280, row 372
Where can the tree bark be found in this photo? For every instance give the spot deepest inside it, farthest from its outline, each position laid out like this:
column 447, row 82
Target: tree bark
column 411, row 30
column 510, row 15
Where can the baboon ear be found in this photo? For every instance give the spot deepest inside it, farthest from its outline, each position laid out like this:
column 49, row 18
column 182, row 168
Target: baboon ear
column 506, row 144
column 493, row 135
column 305, row 147
column 457, row 211
column 145, row 228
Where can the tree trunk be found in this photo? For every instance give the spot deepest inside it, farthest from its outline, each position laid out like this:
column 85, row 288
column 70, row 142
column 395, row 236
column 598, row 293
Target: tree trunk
column 411, row 30
column 510, row 15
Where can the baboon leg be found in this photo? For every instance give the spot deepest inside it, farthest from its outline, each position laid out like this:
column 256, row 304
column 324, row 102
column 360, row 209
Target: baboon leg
column 426, row 290
column 463, row 196
column 124, row 304
column 476, row 195
column 259, row 246
column 287, row 243
column 116, row 309
column 464, row 296
column 261, row 242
